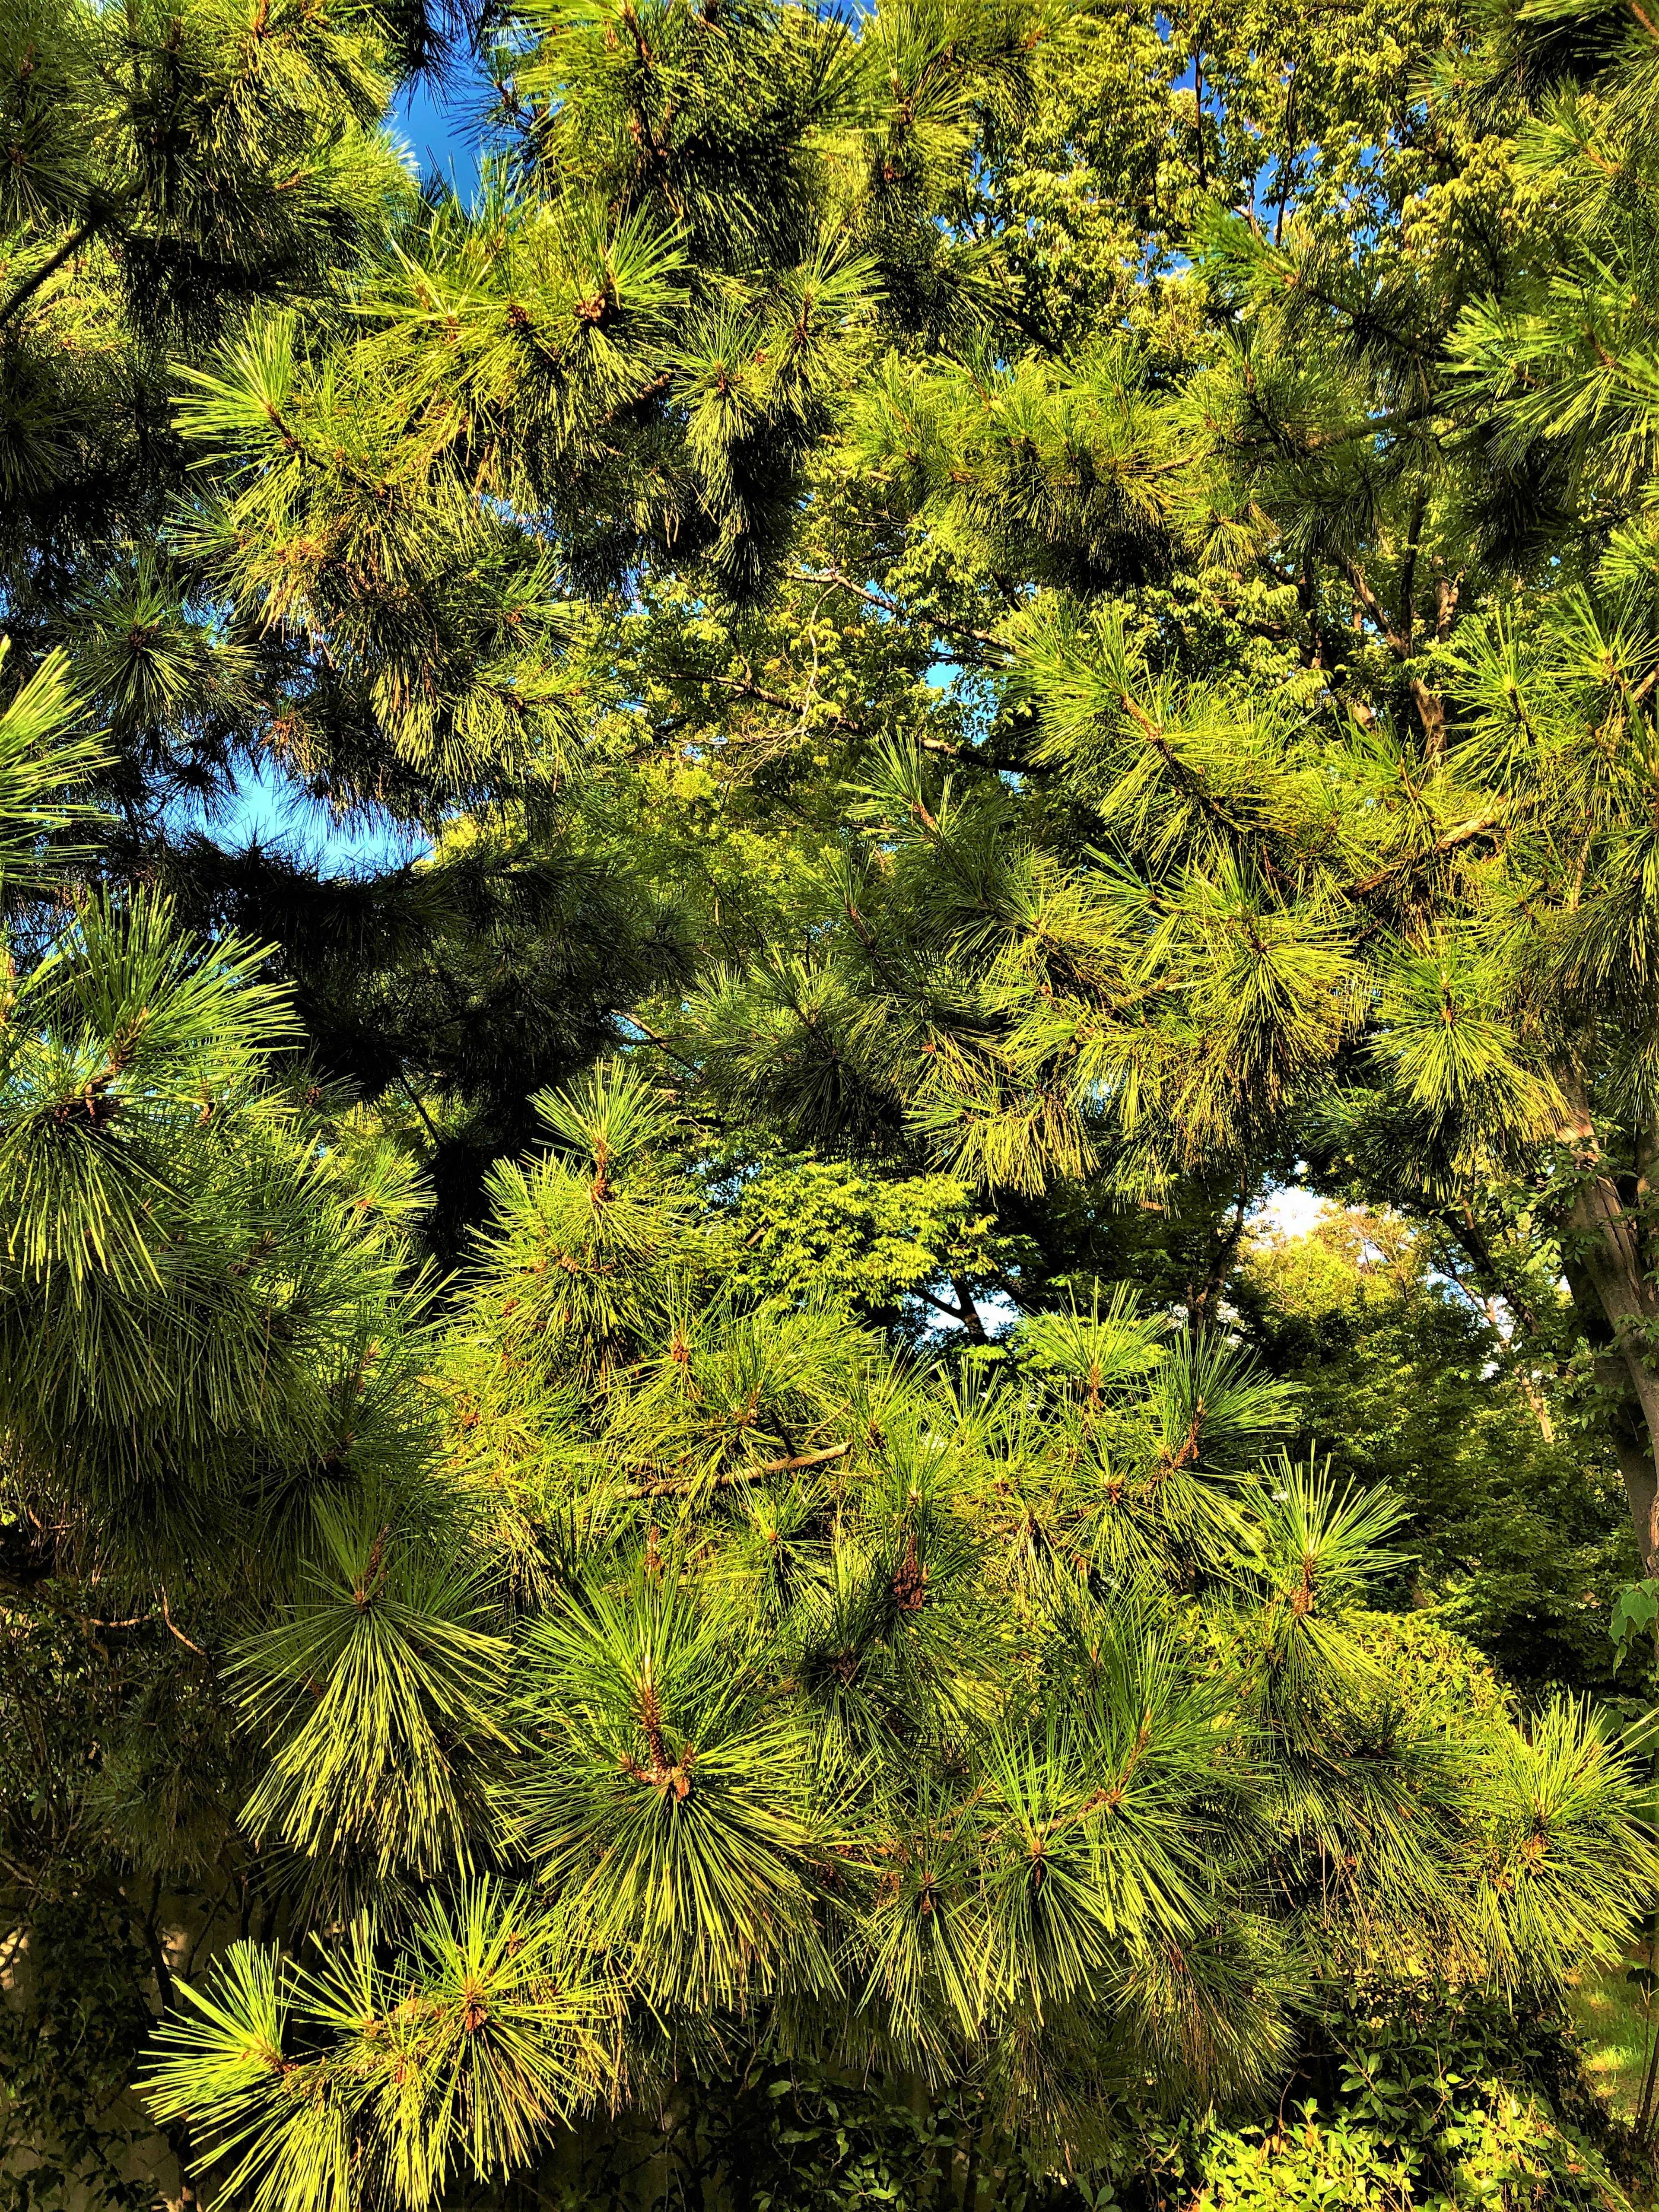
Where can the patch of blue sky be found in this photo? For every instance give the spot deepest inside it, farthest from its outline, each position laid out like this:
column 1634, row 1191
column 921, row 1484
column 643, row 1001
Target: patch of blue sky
column 441, row 121
column 265, row 808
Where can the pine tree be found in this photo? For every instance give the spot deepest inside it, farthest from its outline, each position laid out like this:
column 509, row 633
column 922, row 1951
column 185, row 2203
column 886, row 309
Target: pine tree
column 866, row 697
column 358, row 502
column 1029, row 1729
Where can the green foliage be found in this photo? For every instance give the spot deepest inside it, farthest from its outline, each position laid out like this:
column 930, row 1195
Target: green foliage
column 1438, row 2102
column 967, row 637
column 70, row 2035
column 1026, row 1719
column 820, row 1228
column 1410, row 1376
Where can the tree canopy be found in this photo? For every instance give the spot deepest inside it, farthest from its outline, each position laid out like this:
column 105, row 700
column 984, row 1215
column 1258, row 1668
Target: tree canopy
column 657, row 1464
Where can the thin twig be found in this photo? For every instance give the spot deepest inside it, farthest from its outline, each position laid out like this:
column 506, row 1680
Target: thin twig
column 167, row 1617
column 409, row 1092
column 662, row 1044
column 892, row 607
column 833, row 720
column 745, row 690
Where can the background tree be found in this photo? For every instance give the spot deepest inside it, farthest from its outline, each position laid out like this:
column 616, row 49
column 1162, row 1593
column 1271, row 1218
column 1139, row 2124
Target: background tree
column 1410, row 1373
column 1348, row 873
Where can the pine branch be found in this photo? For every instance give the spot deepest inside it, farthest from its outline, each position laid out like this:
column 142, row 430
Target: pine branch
column 1464, row 833
column 673, row 1487
column 1194, row 784
column 21, row 293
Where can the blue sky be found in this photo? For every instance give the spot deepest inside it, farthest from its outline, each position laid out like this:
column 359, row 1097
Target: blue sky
column 268, row 810
column 442, row 125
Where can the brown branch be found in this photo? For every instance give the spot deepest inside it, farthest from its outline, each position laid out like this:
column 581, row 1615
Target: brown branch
column 1023, row 1300
column 1464, row 833
column 1400, row 647
column 892, row 607
column 1460, row 1225
column 1202, row 1296
column 971, row 1319
column 1431, row 713
column 1446, row 590
column 167, row 1617
column 674, row 1488
column 21, row 293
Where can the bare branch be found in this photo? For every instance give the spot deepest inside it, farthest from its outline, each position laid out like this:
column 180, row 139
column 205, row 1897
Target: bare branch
column 1464, row 833
column 674, row 1487
column 902, row 614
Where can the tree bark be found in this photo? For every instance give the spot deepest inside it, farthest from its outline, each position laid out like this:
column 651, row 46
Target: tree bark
column 1637, row 1464
column 971, row 1315
column 1204, row 1297
column 1605, row 1260
column 1431, row 713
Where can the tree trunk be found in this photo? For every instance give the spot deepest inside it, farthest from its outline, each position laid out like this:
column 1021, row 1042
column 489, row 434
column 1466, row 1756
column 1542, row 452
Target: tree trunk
column 971, row 2178
column 1203, row 1297
column 1431, row 713
column 971, row 1323
column 1606, row 1263
column 1633, row 1444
